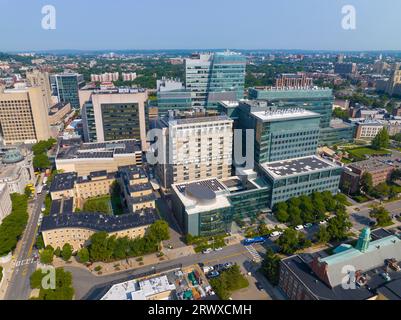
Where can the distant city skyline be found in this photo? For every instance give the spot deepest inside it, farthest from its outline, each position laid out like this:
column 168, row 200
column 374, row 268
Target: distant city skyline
column 175, row 24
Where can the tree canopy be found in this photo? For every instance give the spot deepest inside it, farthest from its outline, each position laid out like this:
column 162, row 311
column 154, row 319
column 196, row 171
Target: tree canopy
column 382, row 140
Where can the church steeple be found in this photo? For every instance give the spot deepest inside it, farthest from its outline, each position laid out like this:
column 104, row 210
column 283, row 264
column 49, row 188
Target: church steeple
column 364, row 240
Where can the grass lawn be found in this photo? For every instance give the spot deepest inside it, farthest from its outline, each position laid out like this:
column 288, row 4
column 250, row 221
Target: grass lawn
column 361, row 152
column 99, row 204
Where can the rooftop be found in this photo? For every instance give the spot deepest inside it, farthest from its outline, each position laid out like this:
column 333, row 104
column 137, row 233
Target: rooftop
column 291, row 167
column 99, row 222
column 63, row 181
column 283, row 114
column 372, row 164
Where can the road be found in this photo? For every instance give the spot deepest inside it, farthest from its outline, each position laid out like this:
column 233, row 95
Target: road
column 19, row 287
column 359, row 214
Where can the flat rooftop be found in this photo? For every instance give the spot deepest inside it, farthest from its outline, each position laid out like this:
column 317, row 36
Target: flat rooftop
column 98, row 150
column 371, row 164
column 63, row 181
column 284, row 114
column 292, row 167
column 99, row 222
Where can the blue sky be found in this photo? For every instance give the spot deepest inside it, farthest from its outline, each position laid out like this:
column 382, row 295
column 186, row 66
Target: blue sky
column 190, row 24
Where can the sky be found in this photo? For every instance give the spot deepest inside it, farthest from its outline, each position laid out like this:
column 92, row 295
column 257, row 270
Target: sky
column 200, row 24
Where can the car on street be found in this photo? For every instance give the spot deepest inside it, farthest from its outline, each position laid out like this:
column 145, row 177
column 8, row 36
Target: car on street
column 259, row 286
column 206, row 251
column 218, row 249
column 299, row 228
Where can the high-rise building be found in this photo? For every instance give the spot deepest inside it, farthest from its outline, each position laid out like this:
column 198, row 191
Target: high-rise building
column 345, row 68
column 195, row 148
column 24, row 115
column 214, row 77
column 66, row 86
column 38, row 78
column 172, row 95
column 116, row 114
column 315, row 99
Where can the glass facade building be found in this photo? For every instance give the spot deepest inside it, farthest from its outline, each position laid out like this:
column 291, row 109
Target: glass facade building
column 215, row 77
column 319, row 100
column 89, row 123
column 180, row 99
column 66, row 87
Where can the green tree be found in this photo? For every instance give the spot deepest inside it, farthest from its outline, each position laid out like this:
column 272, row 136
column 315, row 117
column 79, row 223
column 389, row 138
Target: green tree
column 83, row 255
column 46, row 255
column 323, row 236
column 281, row 212
column 291, row 241
column 395, row 175
column 36, row 279
column 307, row 209
column 160, row 230
column 366, row 182
column 66, row 252
column 294, row 215
column 57, row 252
column 339, row 225
column 381, row 215
column 41, row 161
column 271, row 266
column 382, row 140
column 381, row 190
column 28, row 191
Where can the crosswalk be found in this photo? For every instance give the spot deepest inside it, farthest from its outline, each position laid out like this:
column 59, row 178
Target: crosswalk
column 255, row 255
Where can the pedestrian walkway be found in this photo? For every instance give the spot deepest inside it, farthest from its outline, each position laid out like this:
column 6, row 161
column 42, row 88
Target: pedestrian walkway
column 255, row 255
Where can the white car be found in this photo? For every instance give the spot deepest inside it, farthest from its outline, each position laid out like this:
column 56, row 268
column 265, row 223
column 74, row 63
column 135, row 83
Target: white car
column 218, row 249
column 276, row 234
column 207, row 269
column 323, row 222
column 206, row 251
column 299, row 228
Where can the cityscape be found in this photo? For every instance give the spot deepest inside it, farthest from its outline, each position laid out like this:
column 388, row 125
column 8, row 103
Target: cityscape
column 216, row 175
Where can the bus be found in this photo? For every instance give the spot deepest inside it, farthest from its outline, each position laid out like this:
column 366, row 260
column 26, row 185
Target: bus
column 249, row 241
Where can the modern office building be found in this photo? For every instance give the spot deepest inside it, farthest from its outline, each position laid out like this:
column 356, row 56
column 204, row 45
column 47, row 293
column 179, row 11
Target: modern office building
column 208, row 207
column 5, row 201
column 300, row 176
column 339, row 131
column 214, row 77
column 285, row 133
column 195, row 148
column 66, row 86
column 172, row 95
column 315, row 99
column 24, row 116
column 116, row 114
column 85, row 158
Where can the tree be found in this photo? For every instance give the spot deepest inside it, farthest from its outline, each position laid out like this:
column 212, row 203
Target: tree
column 41, row 161
column 271, row 266
column 83, row 255
column 381, row 215
column 395, row 175
column 366, row 182
column 46, row 255
column 323, row 236
column 66, row 252
column 28, row 191
column 382, row 140
column 57, row 252
column 294, row 215
column 280, row 212
column 329, row 200
column 339, row 225
column 307, row 209
column 382, row 190
column 36, row 279
column 160, row 230
column 318, row 204
column 292, row 240
column 63, row 285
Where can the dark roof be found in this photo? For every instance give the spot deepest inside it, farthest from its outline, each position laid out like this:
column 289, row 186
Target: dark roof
column 96, row 174
column 62, row 205
column 63, row 181
column 99, row 222
column 317, row 287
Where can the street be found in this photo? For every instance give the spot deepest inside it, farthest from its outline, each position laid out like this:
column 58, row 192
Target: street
column 19, row 287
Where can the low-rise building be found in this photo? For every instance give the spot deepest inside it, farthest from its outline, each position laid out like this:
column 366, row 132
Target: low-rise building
column 295, row 177
column 76, row 228
column 84, row 158
column 353, row 273
column 368, row 129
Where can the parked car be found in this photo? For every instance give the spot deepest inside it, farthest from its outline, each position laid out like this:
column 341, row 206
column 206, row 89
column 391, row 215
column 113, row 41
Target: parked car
column 218, row 267
column 299, row 228
column 207, row 269
column 218, row 249
column 323, row 222
column 308, row 225
column 276, row 233
column 228, row 265
column 206, row 251
column 213, row 274
column 385, row 276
